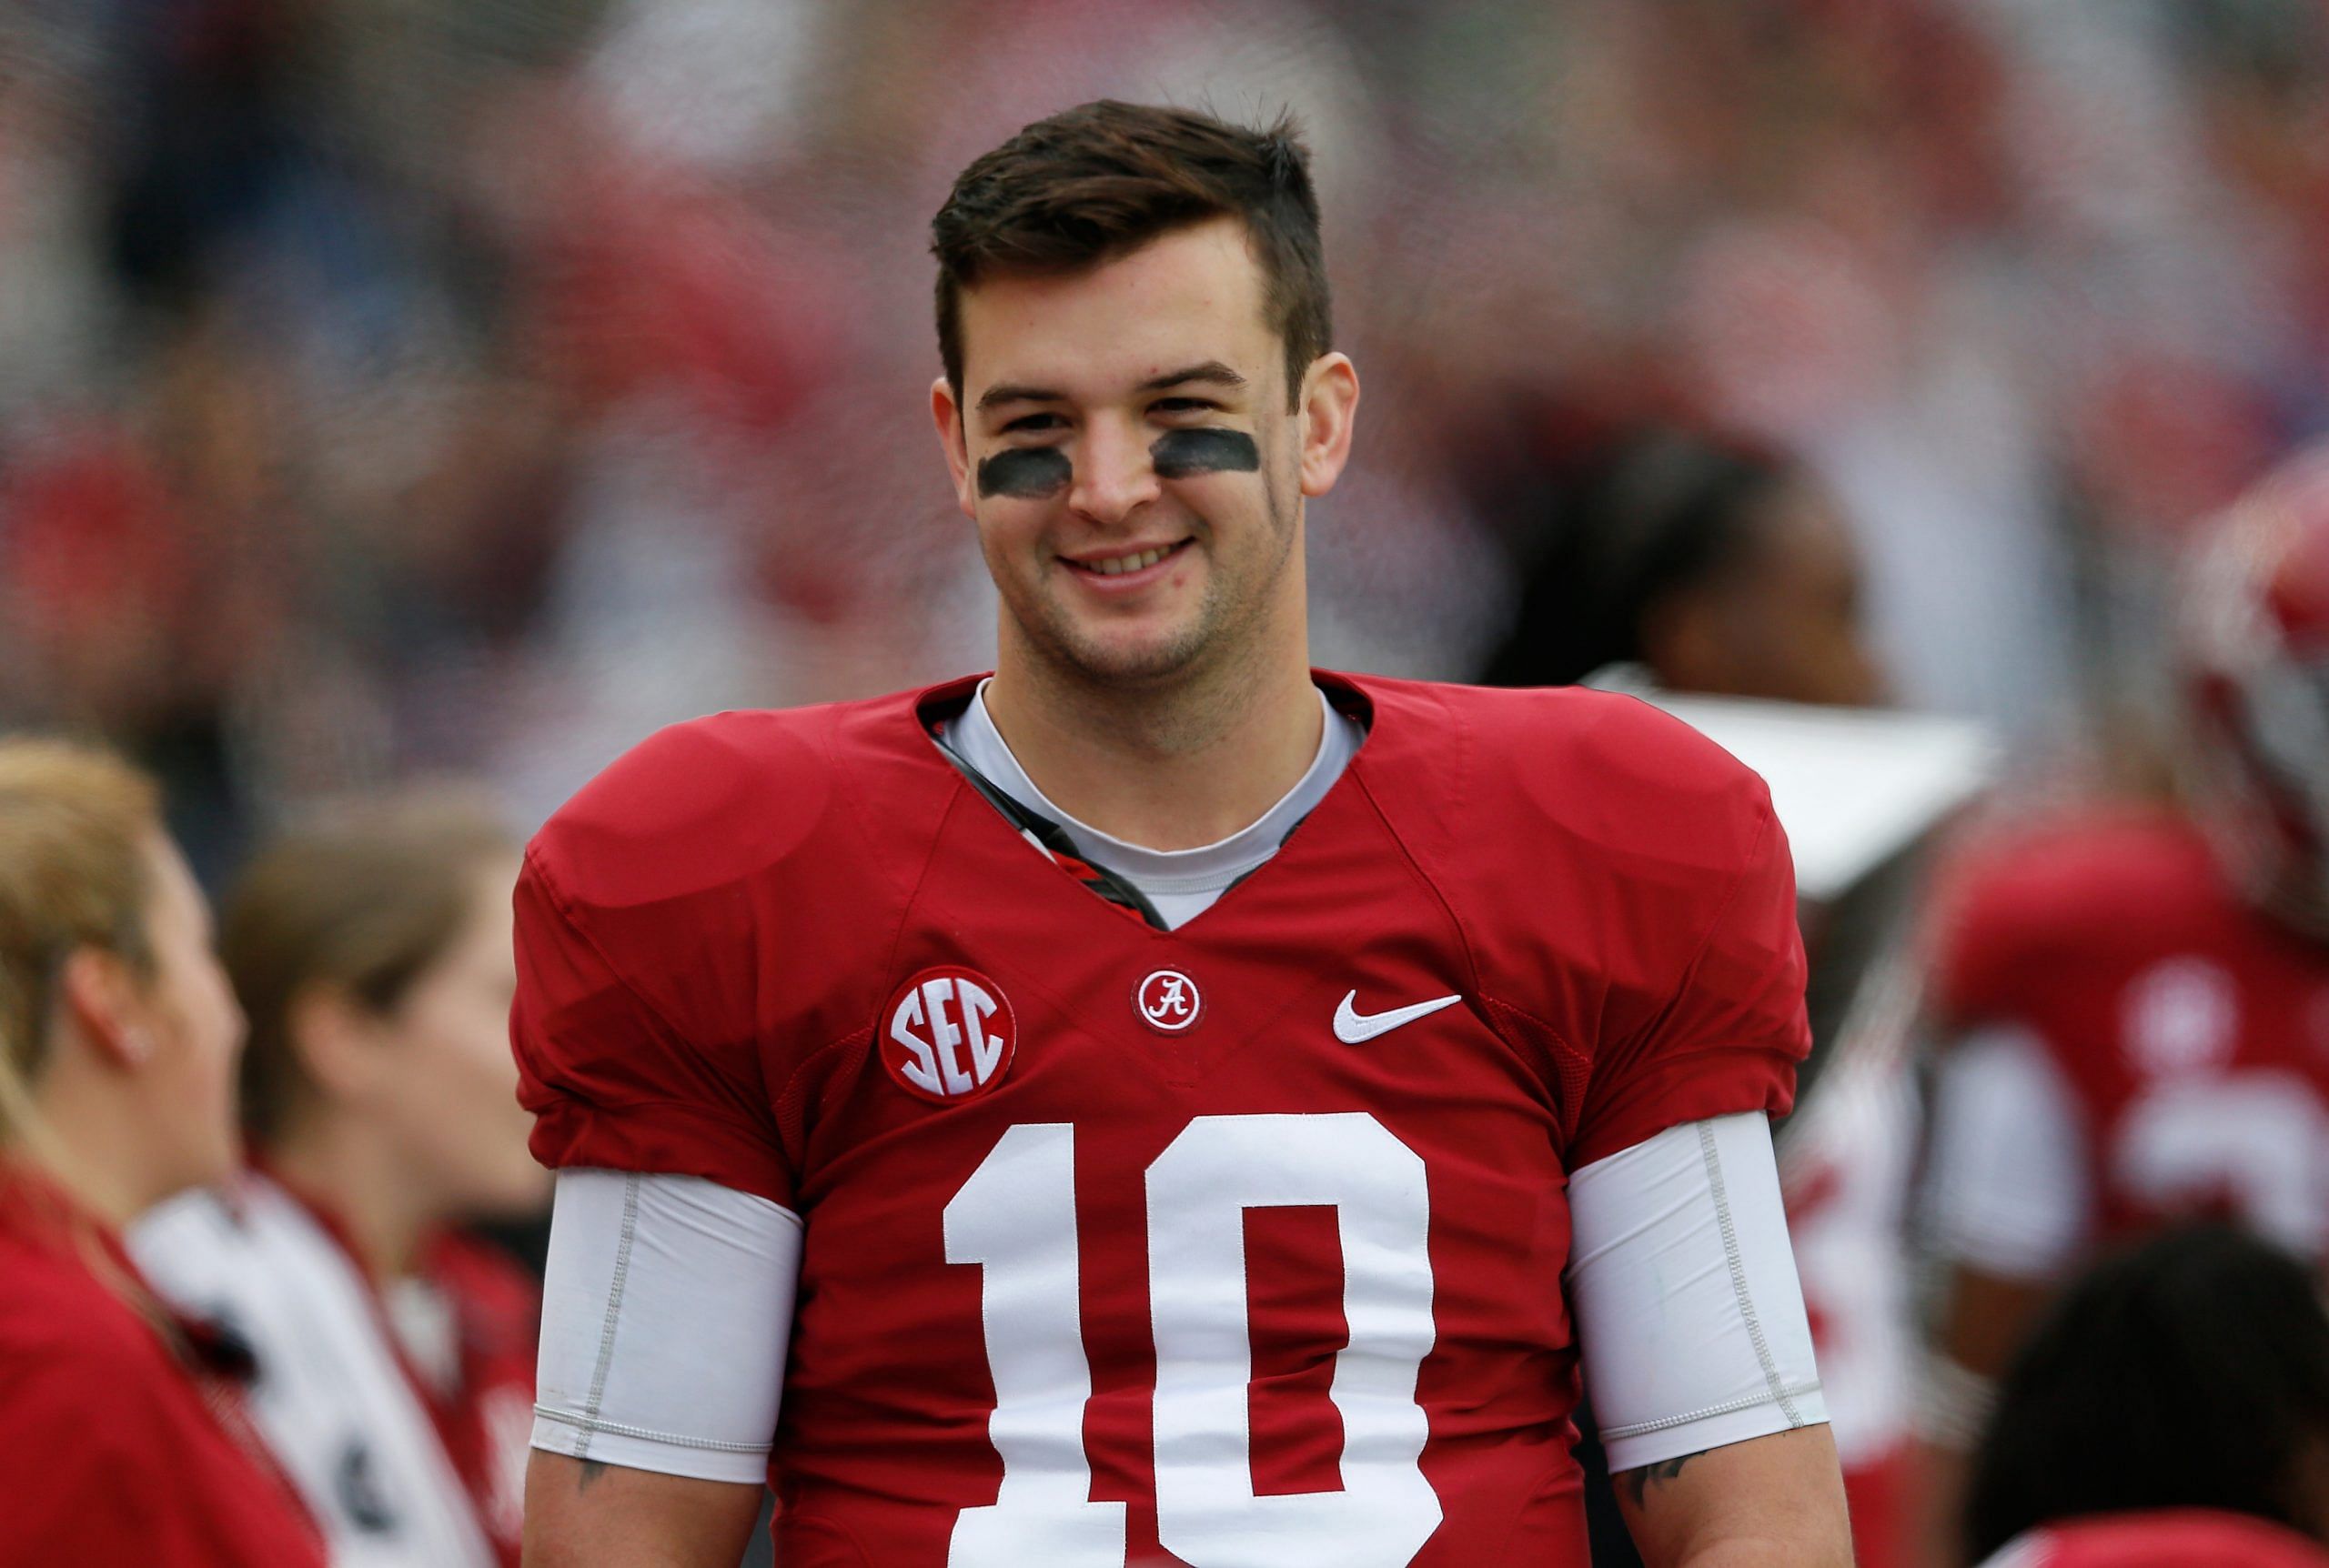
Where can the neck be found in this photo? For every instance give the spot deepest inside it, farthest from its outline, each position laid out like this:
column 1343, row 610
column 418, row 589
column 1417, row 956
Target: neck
column 90, row 1141
column 343, row 1164
column 1173, row 767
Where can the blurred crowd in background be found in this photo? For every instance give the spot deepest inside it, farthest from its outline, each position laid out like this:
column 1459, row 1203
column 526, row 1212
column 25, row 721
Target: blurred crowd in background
column 392, row 387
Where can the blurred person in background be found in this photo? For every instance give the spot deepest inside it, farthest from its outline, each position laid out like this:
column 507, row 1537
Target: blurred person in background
column 121, row 1433
column 2134, row 999
column 1715, row 568
column 371, row 950
column 2169, row 1411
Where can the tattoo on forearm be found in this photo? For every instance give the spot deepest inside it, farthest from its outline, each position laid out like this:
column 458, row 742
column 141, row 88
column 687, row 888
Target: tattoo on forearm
column 1637, row 1482
column 591, row 1470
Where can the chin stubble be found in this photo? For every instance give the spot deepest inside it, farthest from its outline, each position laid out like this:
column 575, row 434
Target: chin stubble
column 1219, row 625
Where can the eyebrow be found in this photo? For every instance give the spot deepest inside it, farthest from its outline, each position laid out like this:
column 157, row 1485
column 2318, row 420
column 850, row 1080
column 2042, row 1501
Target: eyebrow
column 1211, row 371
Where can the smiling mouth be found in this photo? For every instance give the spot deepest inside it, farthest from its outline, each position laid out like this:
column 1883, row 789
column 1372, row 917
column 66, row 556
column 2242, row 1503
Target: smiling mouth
column 1117, row 566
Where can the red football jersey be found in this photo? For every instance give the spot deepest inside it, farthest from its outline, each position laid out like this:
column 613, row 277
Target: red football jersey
column 2193, row 1031
column 1238, row 1243
column 2170, row 1538
column 119, row 1453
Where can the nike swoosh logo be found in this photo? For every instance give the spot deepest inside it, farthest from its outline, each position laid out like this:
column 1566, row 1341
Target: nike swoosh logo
column 1353, row 1027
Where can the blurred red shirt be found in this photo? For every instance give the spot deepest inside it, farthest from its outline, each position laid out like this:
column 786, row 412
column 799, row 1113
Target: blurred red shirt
column 124, row 1450
column 2167, row 1538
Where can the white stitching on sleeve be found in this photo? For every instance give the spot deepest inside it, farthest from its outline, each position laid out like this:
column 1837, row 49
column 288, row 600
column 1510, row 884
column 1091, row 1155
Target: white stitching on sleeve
column 589, row 1421
column 566, row 1419
column 1780, row 1394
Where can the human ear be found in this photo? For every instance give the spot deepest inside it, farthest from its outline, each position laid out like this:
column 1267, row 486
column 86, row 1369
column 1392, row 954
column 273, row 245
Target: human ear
column 954, row 441
column 1329, row 404
column 1683, row 644
column 103, row 998
column 337, row 1041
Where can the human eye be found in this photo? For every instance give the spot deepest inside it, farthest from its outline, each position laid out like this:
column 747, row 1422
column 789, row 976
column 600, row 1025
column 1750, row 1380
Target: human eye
column 1034, row 425
column 1183, row 406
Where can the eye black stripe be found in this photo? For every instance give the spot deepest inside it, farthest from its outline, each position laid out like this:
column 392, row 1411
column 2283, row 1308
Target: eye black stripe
column 1182, row 454
column 1023, row 472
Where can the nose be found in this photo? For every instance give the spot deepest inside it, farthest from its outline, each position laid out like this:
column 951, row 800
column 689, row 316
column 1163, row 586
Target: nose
column 1115, row 475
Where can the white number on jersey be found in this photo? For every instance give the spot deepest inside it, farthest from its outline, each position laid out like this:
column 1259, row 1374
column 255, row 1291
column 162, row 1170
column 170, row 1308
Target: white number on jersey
column 2258, row 1139
column 1015, row 1217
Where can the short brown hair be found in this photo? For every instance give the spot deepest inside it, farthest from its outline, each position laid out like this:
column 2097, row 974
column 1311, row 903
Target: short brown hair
column 364, row 897
column 1087, row 186
column 75, row 822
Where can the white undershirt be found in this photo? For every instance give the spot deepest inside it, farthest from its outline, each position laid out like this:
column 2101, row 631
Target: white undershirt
column 1179, row 884
column 666, row 1305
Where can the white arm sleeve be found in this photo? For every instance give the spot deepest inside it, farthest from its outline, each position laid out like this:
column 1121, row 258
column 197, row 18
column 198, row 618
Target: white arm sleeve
column 2006, row 1189
column 1690, row 1316
column 666, row 1305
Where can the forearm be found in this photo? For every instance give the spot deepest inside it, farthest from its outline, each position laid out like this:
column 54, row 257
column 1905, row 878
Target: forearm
column 580, row 1514
column 1765, row 1553
column 1775, row 1502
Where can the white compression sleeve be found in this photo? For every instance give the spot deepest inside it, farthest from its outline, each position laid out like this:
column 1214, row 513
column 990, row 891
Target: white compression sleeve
column 666, row 1305
column 1690, row 1316
column 2006, row 1189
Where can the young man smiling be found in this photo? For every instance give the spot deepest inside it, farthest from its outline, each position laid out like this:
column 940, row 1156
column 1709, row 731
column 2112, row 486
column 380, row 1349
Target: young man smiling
column 1264, row 1218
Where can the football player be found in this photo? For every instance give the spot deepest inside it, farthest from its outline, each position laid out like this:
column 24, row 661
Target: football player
column 1160, row 1103
column 2140, row 1001
column 371, row 954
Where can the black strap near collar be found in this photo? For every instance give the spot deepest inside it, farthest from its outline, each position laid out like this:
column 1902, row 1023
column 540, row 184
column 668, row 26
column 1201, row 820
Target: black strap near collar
column 1053, row 841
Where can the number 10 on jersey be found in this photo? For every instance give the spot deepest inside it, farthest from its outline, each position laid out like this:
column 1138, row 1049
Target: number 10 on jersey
column 1015, row 1218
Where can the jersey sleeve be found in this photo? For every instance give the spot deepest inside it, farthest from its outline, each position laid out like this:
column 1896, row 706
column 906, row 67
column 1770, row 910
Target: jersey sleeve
column 616, row 1081
column 1728, row 1025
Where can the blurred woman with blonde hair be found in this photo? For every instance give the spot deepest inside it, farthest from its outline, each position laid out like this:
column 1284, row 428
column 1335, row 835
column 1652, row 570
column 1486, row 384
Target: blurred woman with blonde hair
column 119, row 1420
column 371, row 949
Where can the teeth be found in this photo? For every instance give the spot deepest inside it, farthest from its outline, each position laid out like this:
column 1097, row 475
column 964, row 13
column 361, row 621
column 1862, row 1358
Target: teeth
column 1119, row 564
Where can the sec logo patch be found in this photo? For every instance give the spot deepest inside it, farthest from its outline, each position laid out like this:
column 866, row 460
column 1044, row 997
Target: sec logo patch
column 948, row 1035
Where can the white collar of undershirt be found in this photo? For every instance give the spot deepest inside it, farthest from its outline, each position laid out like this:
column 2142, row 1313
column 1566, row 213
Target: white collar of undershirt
column 1207, row 868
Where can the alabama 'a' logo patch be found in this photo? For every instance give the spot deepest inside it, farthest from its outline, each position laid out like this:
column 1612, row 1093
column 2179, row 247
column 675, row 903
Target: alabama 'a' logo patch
column 947, row 1035
column 1168, row 1001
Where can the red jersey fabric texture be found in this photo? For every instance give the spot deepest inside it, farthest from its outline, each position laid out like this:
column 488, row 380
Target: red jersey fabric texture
column 2170, row 1538
column 120, row 1451
column 1235, row 1292
column 2191, row 1029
